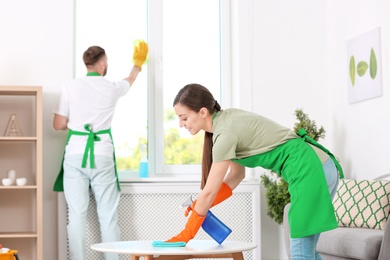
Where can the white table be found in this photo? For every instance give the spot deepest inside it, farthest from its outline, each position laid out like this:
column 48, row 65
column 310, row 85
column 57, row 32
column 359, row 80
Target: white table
column 193, row 249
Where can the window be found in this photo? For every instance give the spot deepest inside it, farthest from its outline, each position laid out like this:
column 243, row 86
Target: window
column 184, row 38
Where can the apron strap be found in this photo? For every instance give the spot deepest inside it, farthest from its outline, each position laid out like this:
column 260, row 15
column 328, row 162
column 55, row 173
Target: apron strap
column 59, row 183
column 90, row 147
column 303, row 134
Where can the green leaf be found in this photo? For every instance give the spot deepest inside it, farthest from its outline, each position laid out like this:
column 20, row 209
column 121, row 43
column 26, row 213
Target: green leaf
column 352, row 69
column 362, row 68
column 309, row 125
column 373, row 64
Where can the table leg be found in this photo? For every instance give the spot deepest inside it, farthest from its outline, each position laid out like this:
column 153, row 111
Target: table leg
column 234, row 256
column 145, row 257
column 172, row 257
column 238, row 256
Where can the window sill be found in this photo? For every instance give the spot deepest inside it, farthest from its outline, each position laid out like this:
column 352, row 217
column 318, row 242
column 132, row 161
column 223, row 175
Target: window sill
column 132, row 177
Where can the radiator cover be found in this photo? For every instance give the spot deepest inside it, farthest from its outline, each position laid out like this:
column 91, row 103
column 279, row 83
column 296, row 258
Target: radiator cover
column 151, row 211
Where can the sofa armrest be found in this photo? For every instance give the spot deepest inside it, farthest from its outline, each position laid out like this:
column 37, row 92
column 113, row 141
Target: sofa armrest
column 384, row 253
column 383, row 177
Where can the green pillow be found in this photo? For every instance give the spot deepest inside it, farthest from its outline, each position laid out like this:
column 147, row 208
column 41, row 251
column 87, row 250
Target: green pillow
column 364, row 204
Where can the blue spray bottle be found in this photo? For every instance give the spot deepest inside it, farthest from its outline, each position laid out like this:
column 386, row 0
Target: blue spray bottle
column 143, row 164
column 212, row 225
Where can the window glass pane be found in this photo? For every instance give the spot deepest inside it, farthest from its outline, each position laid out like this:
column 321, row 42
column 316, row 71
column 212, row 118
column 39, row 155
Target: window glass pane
column 114, row 25
column 191, row 54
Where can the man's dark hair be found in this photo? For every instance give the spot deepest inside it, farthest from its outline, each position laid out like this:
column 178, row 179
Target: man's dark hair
column 92, row 55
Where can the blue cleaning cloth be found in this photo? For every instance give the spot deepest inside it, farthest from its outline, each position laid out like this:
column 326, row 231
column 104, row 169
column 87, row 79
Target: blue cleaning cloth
column 168, row 244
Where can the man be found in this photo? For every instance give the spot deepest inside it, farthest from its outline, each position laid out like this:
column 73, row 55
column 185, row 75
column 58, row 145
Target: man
column 86, row 108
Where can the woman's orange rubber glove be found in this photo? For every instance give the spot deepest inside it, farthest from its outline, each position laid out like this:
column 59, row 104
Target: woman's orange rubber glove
column 192, row 227
column 224, row 193
column 140, row 53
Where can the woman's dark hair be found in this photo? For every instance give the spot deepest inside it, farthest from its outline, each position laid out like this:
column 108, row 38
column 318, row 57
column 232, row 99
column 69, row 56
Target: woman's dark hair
column 195, row 97
column 93, row 55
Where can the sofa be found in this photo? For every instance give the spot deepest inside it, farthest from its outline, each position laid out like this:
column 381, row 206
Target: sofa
column 362, row 210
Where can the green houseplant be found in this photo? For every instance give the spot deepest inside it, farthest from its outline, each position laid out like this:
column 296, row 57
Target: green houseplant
column 277, row 195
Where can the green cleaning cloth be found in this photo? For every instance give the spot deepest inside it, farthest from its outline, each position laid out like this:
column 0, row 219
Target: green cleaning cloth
column 168, row 244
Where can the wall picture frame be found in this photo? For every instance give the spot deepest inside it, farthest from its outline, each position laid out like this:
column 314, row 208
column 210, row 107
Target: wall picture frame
column 365, row 66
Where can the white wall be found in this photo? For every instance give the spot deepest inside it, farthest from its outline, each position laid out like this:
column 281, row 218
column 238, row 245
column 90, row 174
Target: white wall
column 360, row 131
column 36, row 48
column 300, row 60
column 289, row 72
column 290, row 60
column 295, row 57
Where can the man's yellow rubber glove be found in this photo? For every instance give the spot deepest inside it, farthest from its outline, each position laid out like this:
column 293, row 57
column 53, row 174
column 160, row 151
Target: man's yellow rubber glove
column 224, row 193
column 192, row 227
column 140, row 54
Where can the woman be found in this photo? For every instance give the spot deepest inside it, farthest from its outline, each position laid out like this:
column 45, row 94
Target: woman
column 236, row 138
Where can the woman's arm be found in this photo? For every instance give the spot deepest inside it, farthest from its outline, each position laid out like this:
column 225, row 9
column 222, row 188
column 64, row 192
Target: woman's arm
column 235, row 175
column 216, row 177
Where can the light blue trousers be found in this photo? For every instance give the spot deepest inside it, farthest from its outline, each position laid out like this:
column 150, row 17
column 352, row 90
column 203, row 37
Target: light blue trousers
column 102, row 181
column 304, row 248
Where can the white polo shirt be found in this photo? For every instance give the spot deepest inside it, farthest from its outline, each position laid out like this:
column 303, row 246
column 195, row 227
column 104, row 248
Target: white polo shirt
column 90, row 100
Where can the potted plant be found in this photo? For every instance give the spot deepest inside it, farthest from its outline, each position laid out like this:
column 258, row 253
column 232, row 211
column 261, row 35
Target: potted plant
column 277, row 195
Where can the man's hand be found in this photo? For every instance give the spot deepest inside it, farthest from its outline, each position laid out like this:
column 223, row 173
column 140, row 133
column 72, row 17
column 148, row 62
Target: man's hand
column 140, row 53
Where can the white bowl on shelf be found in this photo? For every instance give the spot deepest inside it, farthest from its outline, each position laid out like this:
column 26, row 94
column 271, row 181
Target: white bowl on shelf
column 6, row 181
column 4, row 250
column 21, row 181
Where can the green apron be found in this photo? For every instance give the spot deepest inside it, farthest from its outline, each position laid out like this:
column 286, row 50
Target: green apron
column 302, row 133
column 311, row 210
column 89, row 149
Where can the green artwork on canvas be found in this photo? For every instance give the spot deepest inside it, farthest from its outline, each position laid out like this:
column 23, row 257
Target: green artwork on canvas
column 362, row 67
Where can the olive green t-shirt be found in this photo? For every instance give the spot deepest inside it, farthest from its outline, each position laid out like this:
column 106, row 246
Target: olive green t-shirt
column 239, row 134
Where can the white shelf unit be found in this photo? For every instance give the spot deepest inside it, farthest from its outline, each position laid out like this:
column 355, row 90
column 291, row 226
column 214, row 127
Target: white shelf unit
column 21, row 206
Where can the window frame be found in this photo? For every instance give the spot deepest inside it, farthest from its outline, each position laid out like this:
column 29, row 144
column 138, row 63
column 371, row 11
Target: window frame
column 157, row 168
column 155, row 106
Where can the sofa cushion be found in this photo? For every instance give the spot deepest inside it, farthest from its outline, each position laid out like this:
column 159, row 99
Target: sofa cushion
column 364, row 203
column 356, row 243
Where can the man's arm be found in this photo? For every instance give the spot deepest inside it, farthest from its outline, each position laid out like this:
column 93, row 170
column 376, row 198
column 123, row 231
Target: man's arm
column 139, row 58
column 133, row 74
column 60, row 122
